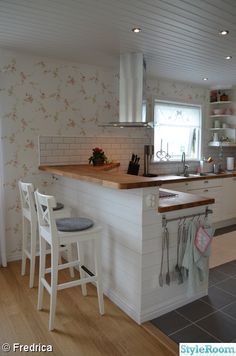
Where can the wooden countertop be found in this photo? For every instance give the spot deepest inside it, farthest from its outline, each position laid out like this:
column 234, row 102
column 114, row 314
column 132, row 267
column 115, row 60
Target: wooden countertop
column 181, row 201
column 104, row 176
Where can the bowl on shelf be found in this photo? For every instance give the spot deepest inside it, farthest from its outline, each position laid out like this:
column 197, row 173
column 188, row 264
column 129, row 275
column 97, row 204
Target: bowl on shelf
column 218, row 111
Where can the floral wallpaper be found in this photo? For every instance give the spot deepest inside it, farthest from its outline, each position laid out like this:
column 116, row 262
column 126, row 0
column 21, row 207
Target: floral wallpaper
column 45, row 97
column 42, row 96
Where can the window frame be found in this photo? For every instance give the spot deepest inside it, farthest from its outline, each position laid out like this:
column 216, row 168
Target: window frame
column 156, row 160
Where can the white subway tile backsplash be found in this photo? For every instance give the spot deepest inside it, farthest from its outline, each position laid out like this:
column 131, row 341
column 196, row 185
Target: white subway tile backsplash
column 57, row 139
column 76, row 150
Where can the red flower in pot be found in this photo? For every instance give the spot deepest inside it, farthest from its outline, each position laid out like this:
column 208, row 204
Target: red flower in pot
column 98, row 157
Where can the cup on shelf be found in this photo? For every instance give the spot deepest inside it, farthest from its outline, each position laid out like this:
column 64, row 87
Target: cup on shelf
column 218, row 111
column 217, row 124
column 224, row 125
column 228, row 111
column 215, row 137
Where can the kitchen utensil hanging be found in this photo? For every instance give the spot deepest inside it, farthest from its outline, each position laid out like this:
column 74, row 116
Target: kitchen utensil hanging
column 165, row 245
column 178, row 266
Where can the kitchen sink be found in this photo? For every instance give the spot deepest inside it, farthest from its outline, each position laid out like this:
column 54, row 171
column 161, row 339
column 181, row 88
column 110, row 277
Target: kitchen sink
column 198, row 175
column 164, row 194
column 189, row 175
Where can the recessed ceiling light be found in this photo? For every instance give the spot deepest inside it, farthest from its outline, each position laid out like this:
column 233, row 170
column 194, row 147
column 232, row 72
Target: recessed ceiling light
column 136, row 29
column 205, row 79
column 223, row 32
column 228, row 57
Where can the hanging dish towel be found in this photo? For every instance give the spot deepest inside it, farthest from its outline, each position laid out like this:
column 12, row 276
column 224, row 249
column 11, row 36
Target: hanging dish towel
column 195, row 262
column 202, row 239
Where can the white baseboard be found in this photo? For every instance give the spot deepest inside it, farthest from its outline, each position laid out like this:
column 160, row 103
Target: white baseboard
column 166, row 307
column 122, row 304
column 14, row 257
column 224, row 223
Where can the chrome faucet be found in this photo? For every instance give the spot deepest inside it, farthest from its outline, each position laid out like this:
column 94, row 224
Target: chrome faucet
column 185, row 166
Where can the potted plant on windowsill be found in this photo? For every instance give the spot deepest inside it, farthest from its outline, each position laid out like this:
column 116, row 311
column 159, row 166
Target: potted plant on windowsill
column 98, row 157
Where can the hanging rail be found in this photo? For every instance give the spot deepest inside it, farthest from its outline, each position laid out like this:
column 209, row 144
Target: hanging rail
column 165, row 220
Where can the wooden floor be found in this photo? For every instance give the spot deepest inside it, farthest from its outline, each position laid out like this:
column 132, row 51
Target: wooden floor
column 80, row 330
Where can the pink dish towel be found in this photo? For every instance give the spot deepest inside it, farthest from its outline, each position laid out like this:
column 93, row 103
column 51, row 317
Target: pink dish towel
column 202, row 239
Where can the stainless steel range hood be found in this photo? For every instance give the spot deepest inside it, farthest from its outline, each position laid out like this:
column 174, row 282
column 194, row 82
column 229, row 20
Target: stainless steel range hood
column 132, row 100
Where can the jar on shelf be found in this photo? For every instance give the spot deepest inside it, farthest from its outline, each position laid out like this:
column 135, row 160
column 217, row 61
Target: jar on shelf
column 224, row 97
column 216, row 124
column 213, row 96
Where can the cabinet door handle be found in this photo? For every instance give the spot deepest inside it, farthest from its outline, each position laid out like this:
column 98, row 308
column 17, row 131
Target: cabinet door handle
column 205, row 190
column 205, row 181
column 234, row 178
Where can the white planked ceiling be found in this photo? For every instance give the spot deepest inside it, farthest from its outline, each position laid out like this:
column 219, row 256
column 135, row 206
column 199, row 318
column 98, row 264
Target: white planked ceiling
column 179, row 38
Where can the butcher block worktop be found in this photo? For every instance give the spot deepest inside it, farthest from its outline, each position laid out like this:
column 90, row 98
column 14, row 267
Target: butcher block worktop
column 104, row 176
column 181, row 201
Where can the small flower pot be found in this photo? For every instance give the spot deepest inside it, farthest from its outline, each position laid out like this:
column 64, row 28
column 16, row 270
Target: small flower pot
column 98, row 162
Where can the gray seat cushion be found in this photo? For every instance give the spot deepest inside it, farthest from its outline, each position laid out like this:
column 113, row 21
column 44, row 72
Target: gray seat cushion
column 73, row 224
column 58, row 207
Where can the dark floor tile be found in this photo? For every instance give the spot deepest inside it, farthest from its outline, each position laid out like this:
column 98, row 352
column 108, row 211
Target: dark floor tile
column 229, row 285
column 218, row 298
column 170, row 322
column 219, row 325
column 225, row 230
column 192, row 334
column 195, row 310
column 230, row 310
column 228, row 268
column 215, row 276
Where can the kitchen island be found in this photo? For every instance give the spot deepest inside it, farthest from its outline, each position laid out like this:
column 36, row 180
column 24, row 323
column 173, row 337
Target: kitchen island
column 132, row 213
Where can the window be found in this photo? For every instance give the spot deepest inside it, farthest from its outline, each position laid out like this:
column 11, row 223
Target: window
column 177, row 129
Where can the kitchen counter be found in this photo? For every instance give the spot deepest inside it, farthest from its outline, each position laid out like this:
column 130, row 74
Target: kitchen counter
column 132, row 235
column 102, row 175
column 181, row 201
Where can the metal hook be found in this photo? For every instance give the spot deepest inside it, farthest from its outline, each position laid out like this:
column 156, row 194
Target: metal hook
column 164, row 222
column 180, row 221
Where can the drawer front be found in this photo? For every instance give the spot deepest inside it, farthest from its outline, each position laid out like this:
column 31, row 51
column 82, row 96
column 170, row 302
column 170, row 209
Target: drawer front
column 205, row 183
column 215, row 193
column 180, row 187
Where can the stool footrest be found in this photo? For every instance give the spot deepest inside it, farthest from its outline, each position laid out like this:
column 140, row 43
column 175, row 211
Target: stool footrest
column 87, row 271
column 76, row 283
column 64, row 265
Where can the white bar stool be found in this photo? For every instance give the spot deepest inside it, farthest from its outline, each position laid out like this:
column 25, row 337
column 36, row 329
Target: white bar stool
column 29, row 220
column 49, row 233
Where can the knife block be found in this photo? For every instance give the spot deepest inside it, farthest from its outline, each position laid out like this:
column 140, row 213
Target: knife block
column 133, row 168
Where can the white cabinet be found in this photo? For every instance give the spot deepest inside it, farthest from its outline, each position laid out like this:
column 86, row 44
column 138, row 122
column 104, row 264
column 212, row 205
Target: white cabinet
column 223, row 190
column 179, row 187
column 211, row 188
column 229, row 198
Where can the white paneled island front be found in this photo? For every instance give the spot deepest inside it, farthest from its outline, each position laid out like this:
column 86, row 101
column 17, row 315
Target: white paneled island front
column 132, row 242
